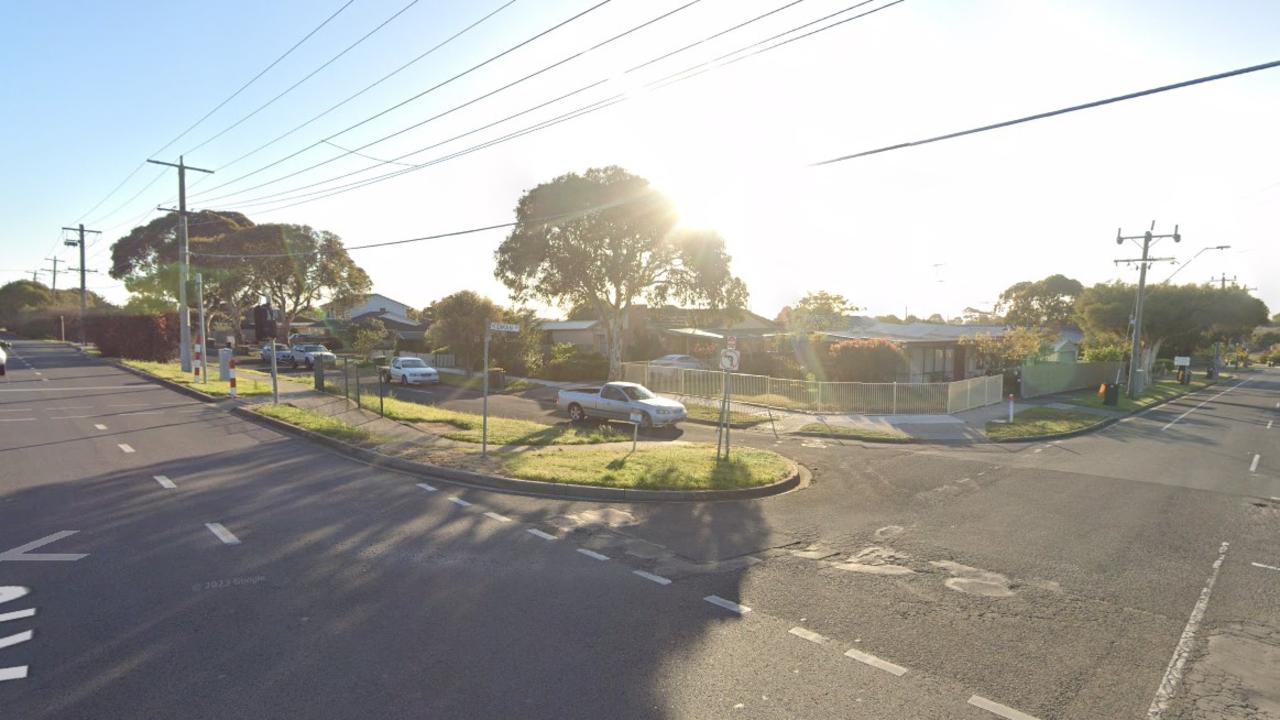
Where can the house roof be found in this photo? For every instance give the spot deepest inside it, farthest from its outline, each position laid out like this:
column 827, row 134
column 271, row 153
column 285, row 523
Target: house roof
column 914, row 332
column 694, row 332
column 551, row 325
column 393, row 319
column 743, row 321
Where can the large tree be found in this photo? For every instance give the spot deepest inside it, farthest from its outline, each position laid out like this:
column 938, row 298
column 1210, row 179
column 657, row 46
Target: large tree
column 461, row 320
column 605, row 239
column 1182, row 318
column 1047, row 303
column 816, row 311
column 296, row 267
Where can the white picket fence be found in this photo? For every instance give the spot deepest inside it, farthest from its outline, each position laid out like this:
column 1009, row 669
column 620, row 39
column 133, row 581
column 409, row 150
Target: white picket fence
column 822, row 397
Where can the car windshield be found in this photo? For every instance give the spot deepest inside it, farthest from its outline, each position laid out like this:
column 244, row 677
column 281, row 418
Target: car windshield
column 412, row 363
column 635, row 392
column 315, row 348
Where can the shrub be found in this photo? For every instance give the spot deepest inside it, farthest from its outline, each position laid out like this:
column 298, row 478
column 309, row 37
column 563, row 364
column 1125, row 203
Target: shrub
column 568, row 362
column 136, row 337
column 865, row 361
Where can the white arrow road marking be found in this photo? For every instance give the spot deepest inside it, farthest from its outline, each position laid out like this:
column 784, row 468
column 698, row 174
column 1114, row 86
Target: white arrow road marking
column 20, row 552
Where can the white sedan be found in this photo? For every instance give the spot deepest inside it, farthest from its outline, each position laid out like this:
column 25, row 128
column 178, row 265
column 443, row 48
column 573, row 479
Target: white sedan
column 410, row 371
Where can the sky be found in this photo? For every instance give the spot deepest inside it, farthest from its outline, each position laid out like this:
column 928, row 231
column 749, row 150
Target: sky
column 91, row 90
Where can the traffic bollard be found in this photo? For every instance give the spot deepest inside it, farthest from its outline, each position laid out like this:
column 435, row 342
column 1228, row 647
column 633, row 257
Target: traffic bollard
column 1010, row 407
column 231, row 378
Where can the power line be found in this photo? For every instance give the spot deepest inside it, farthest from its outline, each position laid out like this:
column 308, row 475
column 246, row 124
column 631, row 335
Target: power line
column 215, row 109
column 688, row 73
column 512, row 116
column 404, row 102
column 1053, row 113
column 455, row 108
column 305, row 78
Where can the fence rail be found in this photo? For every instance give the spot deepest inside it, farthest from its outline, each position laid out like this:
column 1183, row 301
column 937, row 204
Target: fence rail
column 819, row 396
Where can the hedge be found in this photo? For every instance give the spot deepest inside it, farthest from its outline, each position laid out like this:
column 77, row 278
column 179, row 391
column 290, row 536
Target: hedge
column 136, row 337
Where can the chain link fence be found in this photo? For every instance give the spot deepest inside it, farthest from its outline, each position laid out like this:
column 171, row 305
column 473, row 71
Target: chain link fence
column 820, row 396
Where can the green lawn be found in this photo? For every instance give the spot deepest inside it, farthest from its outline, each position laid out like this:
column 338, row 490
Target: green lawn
column 1158, row 392
column 247, row 382
column 859, row 432
column 673, row 467
column 706, row 413
column 1037, row 421
column 476, row 382
column 502, row 431
column 315, row 422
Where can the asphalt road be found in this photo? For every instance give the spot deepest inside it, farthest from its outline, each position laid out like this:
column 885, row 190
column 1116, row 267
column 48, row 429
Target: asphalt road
column 1055, row 579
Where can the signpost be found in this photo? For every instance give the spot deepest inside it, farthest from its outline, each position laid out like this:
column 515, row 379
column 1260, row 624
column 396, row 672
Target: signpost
column 730, row 359
column 484, row 422
column 636, row 420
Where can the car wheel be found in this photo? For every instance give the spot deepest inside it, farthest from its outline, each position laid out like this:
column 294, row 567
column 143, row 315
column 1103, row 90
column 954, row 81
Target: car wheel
column 404, row 379
column 576, row 413
column 646, row 421
column 310, row 365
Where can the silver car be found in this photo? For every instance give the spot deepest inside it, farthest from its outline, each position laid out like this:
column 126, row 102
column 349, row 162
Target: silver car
column 620, row 401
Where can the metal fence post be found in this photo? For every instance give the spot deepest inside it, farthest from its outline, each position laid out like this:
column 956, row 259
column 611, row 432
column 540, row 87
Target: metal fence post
column 357, row 384
column 381, row 391
column 895, row 397
column 346, row 376
column 818, row 404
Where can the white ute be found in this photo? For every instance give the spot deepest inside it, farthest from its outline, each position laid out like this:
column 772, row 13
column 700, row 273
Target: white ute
column 617, row 401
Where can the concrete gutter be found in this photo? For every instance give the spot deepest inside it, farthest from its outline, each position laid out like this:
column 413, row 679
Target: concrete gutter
column 176, row 387
column 556, row 491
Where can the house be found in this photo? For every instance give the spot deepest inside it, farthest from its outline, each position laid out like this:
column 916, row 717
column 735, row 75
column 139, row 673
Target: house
column 1066, row 348
column 392, row 313
column 934, row 352
column 653, row 331
column 586, row 335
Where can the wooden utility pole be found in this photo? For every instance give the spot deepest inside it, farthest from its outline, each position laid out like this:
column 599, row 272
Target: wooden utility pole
column 54, row 270
column 80, row 241
column 184, row 262
column 1148, row 239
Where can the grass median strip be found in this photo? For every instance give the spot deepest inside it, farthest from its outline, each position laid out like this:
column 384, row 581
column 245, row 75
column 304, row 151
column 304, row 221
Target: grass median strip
column 1156, row 393
column 670, row 467
column 737, row 418
column 856, row 432
column 247, row 381
column 1039, row 421
column 315, row 422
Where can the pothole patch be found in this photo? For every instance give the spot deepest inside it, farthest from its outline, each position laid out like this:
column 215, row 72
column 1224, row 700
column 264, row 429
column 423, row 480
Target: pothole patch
column 974, row 581
column 876, row 560
column 889, row 532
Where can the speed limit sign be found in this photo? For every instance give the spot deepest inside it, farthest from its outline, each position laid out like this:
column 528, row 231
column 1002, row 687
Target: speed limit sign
column 729, row 360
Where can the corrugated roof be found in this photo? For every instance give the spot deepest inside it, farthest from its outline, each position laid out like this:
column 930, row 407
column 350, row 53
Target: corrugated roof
column 570, row 324
column 916, row 332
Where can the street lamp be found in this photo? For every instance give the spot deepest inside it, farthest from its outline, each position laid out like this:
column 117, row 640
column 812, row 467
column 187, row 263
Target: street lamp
column 1193, row 257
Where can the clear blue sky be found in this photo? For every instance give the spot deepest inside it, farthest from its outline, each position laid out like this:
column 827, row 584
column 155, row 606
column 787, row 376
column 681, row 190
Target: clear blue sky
column 91, row 89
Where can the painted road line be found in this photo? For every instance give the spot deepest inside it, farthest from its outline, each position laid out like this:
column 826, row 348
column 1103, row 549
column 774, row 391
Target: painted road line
column 1038, row 450
column 13, row 673
column 593, row 554
column 809, row 635
column 165, row 482
column 99, row 426
column 39, row 373
column 729, row 605
column 143, row 412
column 15, row 639
column 1253, row 466
column 222, row 533
column 1265, row 567
column 459, row 501
column 21, row 554
column 538, row 533
column 428, row 488
column 17, row 615
column 651, row 577
column 876, row 662
column 17, row 419
column 1202, row 404
column 1173, row 674
column 17, row 410
column 1269, row 424
column 496, row 516
column 996, row 708
column 125, row 448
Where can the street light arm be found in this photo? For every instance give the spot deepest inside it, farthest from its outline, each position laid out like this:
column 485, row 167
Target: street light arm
column 1193, row 257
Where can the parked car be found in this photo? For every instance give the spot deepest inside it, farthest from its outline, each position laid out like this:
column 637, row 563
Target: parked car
column 686, row 362
column 282, row 353
column 617, row 401
column 409, row 371
column 311, row 355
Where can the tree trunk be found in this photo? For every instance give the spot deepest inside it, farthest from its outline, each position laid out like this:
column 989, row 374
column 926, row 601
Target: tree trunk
column 613, row 331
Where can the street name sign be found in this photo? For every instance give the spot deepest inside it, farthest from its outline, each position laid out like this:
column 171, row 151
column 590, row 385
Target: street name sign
column 504, row 327
column 1182, row 361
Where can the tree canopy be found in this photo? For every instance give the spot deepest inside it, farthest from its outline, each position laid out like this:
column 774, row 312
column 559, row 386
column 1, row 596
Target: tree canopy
column 1042, row 303
column 606, row 238
column 461, row 320
column 816, row 311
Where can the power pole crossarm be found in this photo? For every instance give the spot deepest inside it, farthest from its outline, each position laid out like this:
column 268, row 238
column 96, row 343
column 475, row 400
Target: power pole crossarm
column 79, row 229
column 1147, row 239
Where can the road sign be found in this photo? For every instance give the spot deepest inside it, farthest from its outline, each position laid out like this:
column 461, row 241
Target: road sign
column 637, row 417
column 504, row 327
column 732, row 342
column 1182, row 361
column 729, row 360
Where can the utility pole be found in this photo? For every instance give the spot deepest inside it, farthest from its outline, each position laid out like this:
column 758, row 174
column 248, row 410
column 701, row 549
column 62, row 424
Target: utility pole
column 1148, row 239
column 1222, row 281
column 80, row 241
column 35, row 274
column 55, row 262
column 184, row 315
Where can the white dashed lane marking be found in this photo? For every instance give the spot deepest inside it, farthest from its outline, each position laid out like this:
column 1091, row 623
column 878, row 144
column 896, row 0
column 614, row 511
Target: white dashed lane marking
column 99, row 426
column 996, row 708
column 875, row 662
column 809, row 635
column 538, row 533
column 222, row 533
column 496, row 516
column 651, row 577
column 426, row 487
column 1253, row 466
column 165, row 482
column 459, row 501
column 126, row 448
column 729, row 605
column 593, row 554
column 1266, row 567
